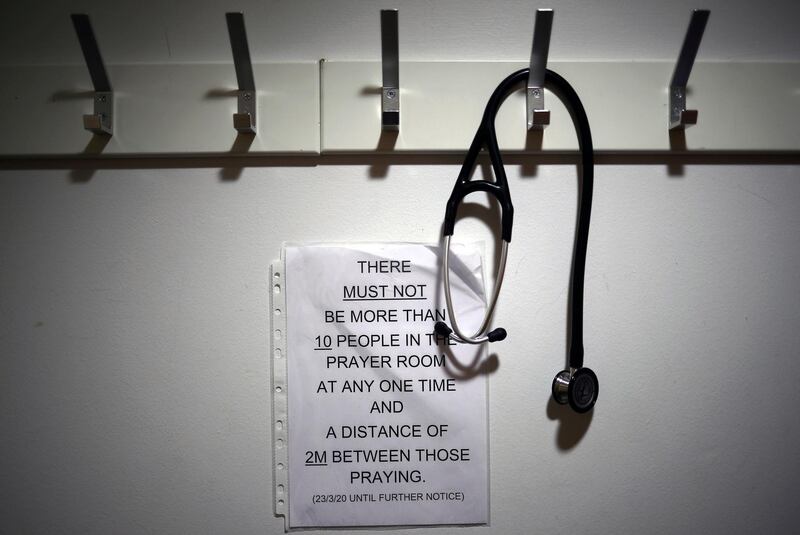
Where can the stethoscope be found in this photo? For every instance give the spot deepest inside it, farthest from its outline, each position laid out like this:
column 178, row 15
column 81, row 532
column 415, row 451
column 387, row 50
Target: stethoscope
column 576, row 386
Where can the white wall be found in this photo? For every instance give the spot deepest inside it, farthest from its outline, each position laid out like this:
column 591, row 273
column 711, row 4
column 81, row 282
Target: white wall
column 133, row 305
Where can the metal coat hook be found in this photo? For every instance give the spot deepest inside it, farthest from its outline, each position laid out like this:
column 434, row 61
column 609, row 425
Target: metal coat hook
column 101, row 122
column 538, row 116
column 390, row 59
column 679, row 116
column 244, row 120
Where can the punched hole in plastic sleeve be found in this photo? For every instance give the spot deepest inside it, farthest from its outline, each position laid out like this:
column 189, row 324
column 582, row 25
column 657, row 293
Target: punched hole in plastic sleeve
column 279, row 389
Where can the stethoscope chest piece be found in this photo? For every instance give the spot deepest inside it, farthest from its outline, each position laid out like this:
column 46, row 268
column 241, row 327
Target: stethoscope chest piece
column 578, row 388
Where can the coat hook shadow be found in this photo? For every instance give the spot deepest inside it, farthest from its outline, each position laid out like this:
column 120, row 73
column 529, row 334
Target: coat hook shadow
column 386, row 143
column 72, row 94
column 677, row 143
column 221, row 92
column 95, row 146
column 241, row 145
column 533, row 143
column 371, row 90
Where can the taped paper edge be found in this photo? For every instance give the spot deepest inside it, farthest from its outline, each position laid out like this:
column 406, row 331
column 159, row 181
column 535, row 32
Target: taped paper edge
column 280, row 395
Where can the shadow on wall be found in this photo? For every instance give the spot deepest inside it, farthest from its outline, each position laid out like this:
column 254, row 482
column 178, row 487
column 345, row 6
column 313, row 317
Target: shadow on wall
column 533, row 143
column 241, row 145
column 464, row 372
column 95, row 146
column 572, row 426
column 386, row 144
column 677, row 143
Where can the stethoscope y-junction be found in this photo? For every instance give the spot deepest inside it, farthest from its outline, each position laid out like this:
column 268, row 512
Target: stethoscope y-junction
column 576, row 386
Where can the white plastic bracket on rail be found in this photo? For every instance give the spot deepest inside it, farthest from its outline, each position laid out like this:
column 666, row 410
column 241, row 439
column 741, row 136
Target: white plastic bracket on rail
column 180, row 110
column 746, row 107
column 184, row 110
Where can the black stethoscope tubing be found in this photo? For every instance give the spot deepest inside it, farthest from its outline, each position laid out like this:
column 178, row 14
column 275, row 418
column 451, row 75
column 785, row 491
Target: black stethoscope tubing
column 487, row 137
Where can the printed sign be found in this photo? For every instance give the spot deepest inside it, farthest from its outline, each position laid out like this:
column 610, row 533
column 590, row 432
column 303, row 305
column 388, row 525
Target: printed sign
column 385, row 428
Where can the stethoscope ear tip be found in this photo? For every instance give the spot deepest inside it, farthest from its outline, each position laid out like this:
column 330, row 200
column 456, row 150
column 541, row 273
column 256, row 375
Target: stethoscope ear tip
column 497, row 335
column 442, row 329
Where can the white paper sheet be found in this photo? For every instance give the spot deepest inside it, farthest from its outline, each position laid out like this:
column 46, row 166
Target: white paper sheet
column 384, row 427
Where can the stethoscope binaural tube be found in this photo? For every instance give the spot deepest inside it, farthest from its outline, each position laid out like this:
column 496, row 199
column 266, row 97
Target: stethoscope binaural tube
column 484, row 137
column 456, row 333
column 576, row 385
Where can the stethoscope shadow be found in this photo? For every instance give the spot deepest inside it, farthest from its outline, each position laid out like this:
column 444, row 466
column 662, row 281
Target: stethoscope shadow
column 455, row 368
column 572, row 427
column 464, row 372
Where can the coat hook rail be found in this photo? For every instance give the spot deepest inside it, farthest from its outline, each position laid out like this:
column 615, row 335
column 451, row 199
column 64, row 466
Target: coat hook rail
column 538, row 117
column 679, row 116
column 101, row 122
column 244, row 120
column 390, row 54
